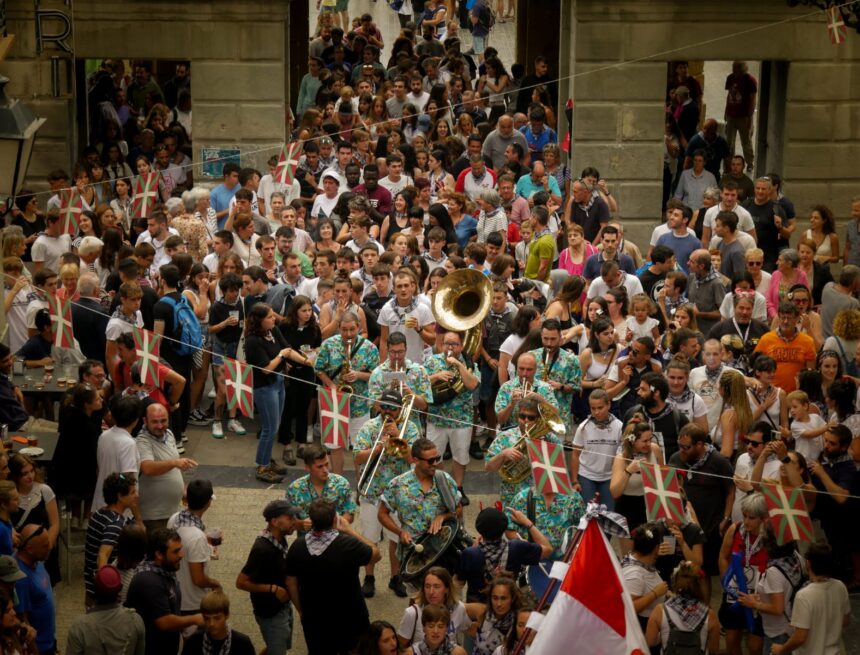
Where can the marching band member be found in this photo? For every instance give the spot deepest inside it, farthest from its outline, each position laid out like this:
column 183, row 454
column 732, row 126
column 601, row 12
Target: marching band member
column 521, row 386
column 555, row 516
column 410, row 377
column 502, row 449
column 558, row 367
column 371, row 451
column 451, row 421
column 319, row 483
column 345, row 362
column 594, row 446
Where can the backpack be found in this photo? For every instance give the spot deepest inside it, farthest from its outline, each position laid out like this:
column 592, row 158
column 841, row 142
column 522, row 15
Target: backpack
column 789, row 602
column 683, row 642
column 186, row 327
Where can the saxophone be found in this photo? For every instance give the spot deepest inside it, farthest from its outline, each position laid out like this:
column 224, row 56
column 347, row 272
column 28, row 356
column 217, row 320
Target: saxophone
column 346, row 367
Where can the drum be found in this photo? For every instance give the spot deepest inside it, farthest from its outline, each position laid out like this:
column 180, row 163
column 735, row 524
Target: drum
column 440, row 549
column 539, row 580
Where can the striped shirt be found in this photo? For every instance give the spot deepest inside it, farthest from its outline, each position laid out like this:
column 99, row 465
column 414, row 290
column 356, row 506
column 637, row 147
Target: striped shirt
column 103, row 530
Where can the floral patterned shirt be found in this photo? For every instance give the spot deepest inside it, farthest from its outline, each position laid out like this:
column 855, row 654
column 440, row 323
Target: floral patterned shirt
column 365, row 358
column 555, row 521
column 416, row 508
column 416, row 380
column 301, row 493
column 457, row 412
column 503, row 398
column 193, row 232
column 505, row 440
column 390, row 467
column 564, row 369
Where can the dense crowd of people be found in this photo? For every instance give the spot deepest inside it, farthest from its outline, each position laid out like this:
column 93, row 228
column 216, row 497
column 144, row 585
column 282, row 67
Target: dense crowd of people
column 725, row 347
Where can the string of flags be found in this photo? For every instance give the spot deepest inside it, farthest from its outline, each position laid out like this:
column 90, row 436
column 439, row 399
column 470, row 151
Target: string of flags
column 60, row 310
column 147, row 346
column 548, row 467
column 239, row 383
column 71, row 207
column 334, row 417
column 662, row 493
column 145, row 194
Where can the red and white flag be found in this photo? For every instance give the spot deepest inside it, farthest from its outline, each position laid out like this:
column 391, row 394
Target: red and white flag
column 593, row 613
column 285, row 171
column 662, row 493
column 548, row 467
column 145, row 194
column 788, row 514
column 61, row 317
column 836, row 26
column 147, row 345
column 239, row 383
column 71, row 207
column 334, row 417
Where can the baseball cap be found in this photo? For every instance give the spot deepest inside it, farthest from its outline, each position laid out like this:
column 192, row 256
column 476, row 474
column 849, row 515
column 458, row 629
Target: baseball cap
column 491, row 523
column 332, row 176
column 107, row 581
column 9, row 571
column 391, row 399
column 198, row 493
column 278, row 508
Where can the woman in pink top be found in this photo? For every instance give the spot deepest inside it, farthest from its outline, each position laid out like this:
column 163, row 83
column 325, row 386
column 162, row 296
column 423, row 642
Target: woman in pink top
column 572, row 259
column 786, row 275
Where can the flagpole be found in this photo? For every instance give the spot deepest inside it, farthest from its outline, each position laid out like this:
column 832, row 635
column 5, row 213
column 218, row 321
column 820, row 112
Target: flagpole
column 551, row 587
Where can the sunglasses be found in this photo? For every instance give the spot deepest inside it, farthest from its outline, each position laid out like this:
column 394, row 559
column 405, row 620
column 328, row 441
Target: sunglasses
column 528, row 417
column 683, row 447
column 755, row 263
column 431, row 460
column 754, row 443
column 23, row 543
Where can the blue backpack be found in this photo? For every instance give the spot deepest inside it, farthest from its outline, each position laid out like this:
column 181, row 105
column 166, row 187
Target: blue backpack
column 186, row 327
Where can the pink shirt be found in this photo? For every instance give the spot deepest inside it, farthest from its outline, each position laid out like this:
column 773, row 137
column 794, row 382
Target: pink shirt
column 772, row 296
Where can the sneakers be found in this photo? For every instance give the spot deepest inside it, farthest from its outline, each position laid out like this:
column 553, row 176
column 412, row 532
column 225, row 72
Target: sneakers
column 464, row 501
column 368, row 588
column 235, row 427
column 289, row 458
column 267, row 475
column 475, row 450
column 396, row 585
column 198, row 418
column 217, row 430
column 211, row 393
column 277, row 468
column 180, row 447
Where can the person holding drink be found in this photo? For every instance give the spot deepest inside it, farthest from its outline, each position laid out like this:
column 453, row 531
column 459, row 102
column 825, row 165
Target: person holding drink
column 405, row 314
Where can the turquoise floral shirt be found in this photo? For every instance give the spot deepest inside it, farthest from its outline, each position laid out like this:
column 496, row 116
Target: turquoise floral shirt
column 336, row 489
column 365, row 358
column 505, row 440
column 416, row 379
column 565, row 369
column 415, row 508
column 555, row 521
column 457, row 412
column 390, row 467
column 503, row 398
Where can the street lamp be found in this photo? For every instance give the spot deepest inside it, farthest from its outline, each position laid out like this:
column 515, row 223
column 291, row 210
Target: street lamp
column 18, row 127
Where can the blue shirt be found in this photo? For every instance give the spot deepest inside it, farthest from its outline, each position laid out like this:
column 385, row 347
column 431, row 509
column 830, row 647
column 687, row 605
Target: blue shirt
column 6, row 546
column 470, row 568
column 36, row 599
column 538, row 140
column 465, row 230
column 526, row 187
column 219, row 199
column 682, row 246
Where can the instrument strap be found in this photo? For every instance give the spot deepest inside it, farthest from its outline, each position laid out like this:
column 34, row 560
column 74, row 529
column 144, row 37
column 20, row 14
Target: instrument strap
column 531, row 509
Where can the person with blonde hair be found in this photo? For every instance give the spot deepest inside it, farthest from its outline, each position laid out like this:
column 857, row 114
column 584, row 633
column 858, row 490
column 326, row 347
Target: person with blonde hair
column 845, row 339
column 735, row 414
column 69, row 274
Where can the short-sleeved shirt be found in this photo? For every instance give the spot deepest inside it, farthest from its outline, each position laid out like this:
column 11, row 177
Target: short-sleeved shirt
column 821, row 607
column 504, row 397
column 416, row 508
column 541, row 248
column 791, row 356
column 465, row 230
column 707, row 489
column 394, row 316
column 301, row 493
column 266, row 564
column 117, row 326
column 152, row 596
column 599, row 445
column 48, row 250
column 526, row 186
column 507, row 439
column 457, row 412
column 638, row 581
column 103, row 529
column 160, row 495
column 564, row 369
column 555, row 521
column 36, row 599
column 415, row 379
column 390, row 466
column 470, row 568
column 195, row 550
column 365, row 357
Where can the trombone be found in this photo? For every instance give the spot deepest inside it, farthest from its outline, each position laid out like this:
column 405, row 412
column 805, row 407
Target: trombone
column 393, row 447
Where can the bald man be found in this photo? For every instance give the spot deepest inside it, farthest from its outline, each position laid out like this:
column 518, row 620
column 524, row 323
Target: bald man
column 522, row 385
column 35, row 597
column 501, row 138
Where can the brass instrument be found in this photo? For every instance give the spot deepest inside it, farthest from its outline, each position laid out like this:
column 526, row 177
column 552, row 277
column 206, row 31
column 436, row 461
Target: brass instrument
column 406, row 393
column 393, row 447
column 461, row 303
column 549, row 420
column 346, row 367
column 526, row 387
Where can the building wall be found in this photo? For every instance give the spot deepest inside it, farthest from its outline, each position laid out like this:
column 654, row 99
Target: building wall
column 618, row 109
column 238, row 53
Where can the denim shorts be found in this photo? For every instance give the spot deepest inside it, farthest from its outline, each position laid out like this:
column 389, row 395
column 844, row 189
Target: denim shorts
column 220, row 348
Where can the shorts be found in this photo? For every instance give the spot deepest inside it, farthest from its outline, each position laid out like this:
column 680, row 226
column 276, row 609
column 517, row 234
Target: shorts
column 731, row 619
column 489, row 382
column 371, row 528
column 341, row 5
column 221, row 349
column 479, row 44
column 459, row 438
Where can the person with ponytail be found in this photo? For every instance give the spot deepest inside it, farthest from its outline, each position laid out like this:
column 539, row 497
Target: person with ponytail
column 638, row 569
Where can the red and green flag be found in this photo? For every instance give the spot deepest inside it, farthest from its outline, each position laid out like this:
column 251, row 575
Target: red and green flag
column 836, row 26
column 788, row 514
column 548, row 467
column 334, row 417
column 662, row 492
column 147, row 346
column 239, row 382
column 145, row 194
column 61, row 316
column 71, row 207
column 288, row 162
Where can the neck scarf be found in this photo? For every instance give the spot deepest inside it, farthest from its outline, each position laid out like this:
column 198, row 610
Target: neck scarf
column 602, row 425
column 495, row 556
column 131, row 320
column 186, row 518
column 689, row 610
column 280, row 544
column 750, row 549
column 713, row 274
column 629, row 560
column 684, row 396
column 208, row 646
column 148, row 566
column 699, row 463
column 421, row 648
column 318, row 541
column 713, row 377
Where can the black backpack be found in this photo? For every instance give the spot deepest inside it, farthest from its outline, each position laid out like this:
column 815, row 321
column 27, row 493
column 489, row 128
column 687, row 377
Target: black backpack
column 683, row 642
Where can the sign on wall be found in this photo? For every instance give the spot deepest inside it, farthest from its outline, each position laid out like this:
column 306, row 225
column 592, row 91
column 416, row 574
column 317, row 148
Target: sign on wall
column 213, row 159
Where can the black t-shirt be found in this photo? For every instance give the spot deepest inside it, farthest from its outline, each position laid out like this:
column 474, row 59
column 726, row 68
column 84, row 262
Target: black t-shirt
column 298, row 337
column 240, row 644
column 265, row 565
column 29, row 229
column 335, row 569
column 219, row 312
column 707, row 489
column 649, row 280
column 693, row 536
column 470, row 568
column 152, row 596
column 766, row 231
column 259, row 351
column 665, row 427
column 756, row 330
column 162, row 311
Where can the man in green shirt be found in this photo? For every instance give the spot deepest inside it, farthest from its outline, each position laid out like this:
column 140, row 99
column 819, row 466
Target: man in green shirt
column 542, row 249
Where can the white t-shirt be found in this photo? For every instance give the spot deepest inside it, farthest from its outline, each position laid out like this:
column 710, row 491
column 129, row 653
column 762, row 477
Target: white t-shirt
column 598, row 286
column 745, row 221
column 410, row 625
column 692, row 408
column 394, row 317
column 642, row 329
column 117, row 326
column 599, row 447
column 324, row 206
column 707, row 391
column 117, row 453
column 255, row 205
column 210, row 261
column 396, row 187
column 16, row 317
column 195, row 549
column 638, row 581
column 746, row 241
column 774, row 582
column 48, row 249
column 509, row 347
column 743, row 470
column 809, row 448
column 821, row 607
column 268, row 186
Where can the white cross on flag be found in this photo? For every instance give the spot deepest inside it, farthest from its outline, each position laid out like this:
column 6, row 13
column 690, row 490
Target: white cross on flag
column 334, row 418
column 662, row 492
column 147, row 346
column 238, row 378
column 288, row 162
column 548, row 467
column 836, row 26
column 788, row 513
column 71, row 208
column 145, row 193
column 61, row 317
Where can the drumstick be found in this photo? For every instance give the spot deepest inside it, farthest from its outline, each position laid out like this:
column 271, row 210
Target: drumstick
column 418, row 548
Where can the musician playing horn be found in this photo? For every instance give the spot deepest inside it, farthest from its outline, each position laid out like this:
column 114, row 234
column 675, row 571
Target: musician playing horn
column 558, row 367
column 451, row 421
column 370, row 443
column 502, row 449
column 416, row 498
column 398, row 372
column 362, row 357
column 522, row 385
